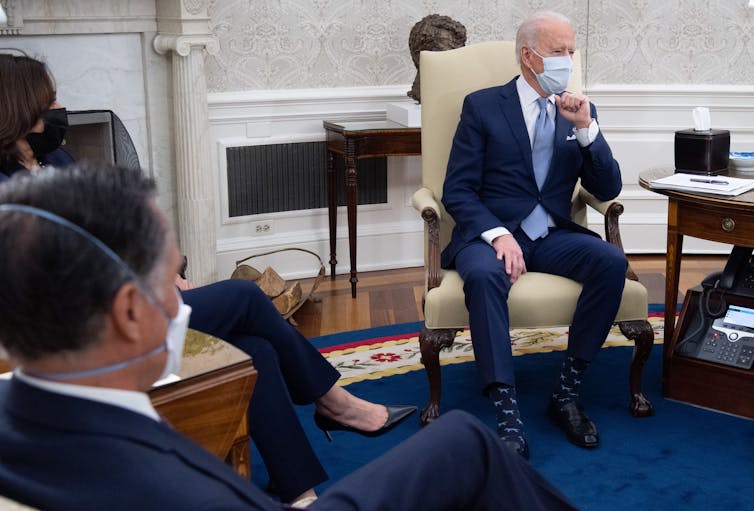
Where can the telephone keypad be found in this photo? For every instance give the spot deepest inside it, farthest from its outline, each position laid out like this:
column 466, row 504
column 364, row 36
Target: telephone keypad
column 728, row 348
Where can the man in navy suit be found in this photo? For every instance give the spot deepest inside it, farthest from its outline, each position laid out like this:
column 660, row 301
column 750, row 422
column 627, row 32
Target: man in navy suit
column 517, row 155
column 91, row 319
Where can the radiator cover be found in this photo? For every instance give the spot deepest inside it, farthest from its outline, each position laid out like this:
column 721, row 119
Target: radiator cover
column 290, row 177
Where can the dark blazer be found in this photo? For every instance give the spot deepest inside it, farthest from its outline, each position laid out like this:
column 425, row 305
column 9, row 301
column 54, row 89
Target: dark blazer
column 63, row 453
column 70, row 454
column 490, row 179
column 58, row 158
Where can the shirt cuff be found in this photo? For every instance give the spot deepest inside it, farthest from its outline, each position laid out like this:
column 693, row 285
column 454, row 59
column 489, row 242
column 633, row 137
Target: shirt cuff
column 586, row 136
column 489, row 236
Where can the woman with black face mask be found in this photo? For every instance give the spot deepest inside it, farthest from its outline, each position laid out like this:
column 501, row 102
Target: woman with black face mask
column 33, row 123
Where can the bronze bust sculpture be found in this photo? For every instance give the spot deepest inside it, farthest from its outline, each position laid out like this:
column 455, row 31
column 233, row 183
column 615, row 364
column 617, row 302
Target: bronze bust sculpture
column 433, row 33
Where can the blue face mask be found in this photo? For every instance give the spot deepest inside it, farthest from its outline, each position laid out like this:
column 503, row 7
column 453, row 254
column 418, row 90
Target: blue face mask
column 177, row 326
column 556, row 74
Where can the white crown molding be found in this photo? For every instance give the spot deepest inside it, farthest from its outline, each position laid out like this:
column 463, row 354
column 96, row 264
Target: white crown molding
column 398, row 92
column 80, row 17
column 667, row 89
column 346, row 103
column 47, row 26
column 295, row 111
column 672, row 98
column 295, row 96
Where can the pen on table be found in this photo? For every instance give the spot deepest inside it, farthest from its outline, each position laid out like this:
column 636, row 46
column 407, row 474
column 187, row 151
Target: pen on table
column 708, row 181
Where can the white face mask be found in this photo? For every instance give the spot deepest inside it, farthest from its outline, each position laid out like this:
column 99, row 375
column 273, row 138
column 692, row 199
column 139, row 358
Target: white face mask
column 175, row 339
column 556, row 74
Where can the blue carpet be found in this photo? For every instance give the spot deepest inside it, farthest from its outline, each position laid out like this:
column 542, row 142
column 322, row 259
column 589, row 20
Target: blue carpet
column 682, row 456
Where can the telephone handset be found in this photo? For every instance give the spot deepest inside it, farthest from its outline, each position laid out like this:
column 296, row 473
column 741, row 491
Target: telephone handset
column 738, row 275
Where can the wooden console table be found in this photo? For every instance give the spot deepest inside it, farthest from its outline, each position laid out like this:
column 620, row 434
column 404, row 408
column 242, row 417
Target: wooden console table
column 209, row 403
column 715, row 218
column 354, row 141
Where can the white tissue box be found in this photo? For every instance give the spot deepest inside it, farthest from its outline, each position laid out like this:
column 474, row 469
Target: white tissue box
column 407, row 114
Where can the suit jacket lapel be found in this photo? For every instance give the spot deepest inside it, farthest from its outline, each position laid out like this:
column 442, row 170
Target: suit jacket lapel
column 510, row 105
column 83, row 416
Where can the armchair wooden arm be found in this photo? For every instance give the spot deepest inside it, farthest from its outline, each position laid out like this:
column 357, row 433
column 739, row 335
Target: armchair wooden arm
column 424, row 201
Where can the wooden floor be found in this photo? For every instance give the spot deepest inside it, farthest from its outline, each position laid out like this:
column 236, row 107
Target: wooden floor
column 394, row 296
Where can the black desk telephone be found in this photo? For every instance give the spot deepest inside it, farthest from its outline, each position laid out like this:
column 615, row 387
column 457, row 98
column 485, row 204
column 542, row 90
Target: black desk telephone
column 738, row 276
column 720, row 332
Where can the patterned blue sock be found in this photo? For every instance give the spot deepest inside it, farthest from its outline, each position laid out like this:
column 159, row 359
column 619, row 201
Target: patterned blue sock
column 509, row 424
column 570, row 380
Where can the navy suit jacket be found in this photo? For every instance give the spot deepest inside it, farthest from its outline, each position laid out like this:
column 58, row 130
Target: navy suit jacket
column 490, row 178
column 64, row 453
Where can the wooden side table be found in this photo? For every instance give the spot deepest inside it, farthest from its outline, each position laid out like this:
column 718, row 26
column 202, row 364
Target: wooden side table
column 354, row 141
column 720, row 387
column 715, row 218
column 209, row 403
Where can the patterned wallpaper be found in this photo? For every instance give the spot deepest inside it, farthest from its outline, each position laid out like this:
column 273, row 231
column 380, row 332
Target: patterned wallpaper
column 283, row 44
column 672, row 41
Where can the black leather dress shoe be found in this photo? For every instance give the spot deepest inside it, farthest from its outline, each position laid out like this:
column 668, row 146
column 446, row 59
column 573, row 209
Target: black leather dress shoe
column 395, row 414
column 522, row 449
column 571, row 418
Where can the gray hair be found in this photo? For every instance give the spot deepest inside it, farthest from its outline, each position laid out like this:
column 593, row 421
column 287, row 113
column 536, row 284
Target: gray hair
column 57, row 285
column 528, row 32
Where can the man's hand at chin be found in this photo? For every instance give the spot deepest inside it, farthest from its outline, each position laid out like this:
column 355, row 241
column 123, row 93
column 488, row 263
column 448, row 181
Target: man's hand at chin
column 574, row 108
column 507, row 249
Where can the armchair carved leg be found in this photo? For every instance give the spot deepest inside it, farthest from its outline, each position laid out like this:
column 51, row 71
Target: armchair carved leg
column 430, row 344
column 639, row 331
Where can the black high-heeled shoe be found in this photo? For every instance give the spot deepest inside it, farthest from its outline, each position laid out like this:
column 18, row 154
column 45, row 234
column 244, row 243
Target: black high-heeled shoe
column 395, row 414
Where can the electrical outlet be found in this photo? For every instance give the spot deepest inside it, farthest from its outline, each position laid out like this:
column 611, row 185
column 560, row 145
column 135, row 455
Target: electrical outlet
column 262, row 227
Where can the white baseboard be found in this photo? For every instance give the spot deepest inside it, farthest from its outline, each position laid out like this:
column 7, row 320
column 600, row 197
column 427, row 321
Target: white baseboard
column 378, row 247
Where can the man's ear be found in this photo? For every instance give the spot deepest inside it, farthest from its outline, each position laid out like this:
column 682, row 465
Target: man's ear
column 525, row 56
column 129, row 311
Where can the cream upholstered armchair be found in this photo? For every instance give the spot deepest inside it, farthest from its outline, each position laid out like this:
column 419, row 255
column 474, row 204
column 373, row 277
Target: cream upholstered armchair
column 536, row 299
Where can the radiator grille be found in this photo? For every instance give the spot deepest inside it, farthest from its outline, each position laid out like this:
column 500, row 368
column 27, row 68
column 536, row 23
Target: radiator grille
column 290, row 177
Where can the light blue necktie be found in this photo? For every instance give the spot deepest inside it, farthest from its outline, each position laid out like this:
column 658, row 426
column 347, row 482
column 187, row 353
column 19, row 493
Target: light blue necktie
column 535, row 225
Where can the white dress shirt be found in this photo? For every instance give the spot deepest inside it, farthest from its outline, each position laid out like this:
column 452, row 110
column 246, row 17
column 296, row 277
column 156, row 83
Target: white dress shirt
column 528, row 97
column 129, row 399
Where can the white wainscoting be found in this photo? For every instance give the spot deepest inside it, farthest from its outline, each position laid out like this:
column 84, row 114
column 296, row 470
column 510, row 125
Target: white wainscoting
column 390, row 235
column 639, row 122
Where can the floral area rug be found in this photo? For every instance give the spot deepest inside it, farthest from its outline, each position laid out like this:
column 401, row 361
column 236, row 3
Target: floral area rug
column 376, row 358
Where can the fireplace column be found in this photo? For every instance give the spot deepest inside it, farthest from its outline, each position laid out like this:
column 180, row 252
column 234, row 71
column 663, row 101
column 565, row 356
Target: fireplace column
column 194, row 184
